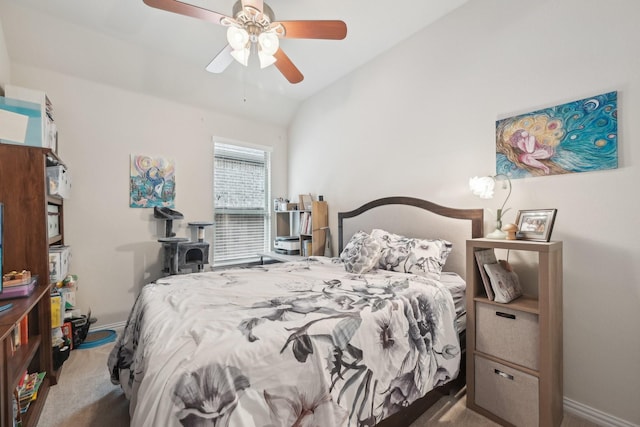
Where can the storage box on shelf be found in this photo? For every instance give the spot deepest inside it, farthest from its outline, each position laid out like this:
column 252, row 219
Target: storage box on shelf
column 514, row 350
column 59, row 262
column 21, row 122
column 59, row 180
column 42, row 128
column 20, row 289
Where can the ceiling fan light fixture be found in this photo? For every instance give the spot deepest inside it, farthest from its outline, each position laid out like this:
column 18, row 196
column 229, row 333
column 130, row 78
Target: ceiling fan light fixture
column 266, row 60
column 252, row 27
column 238, row 38
column 269, row 43
column 241, row 55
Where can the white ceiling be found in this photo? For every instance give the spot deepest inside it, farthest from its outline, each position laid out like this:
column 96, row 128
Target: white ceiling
column 127, row 44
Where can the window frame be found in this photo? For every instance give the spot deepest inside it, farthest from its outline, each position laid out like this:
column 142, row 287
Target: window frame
column 265, row 212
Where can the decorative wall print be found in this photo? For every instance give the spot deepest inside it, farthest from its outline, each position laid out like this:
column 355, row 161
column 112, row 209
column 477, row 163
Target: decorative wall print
column 580, row 136
column 153, row 182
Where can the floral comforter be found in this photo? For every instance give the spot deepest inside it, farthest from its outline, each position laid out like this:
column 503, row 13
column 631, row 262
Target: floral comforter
column 293, row 344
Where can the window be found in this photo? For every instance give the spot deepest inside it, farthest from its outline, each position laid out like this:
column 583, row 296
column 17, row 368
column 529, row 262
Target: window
column 241, row 179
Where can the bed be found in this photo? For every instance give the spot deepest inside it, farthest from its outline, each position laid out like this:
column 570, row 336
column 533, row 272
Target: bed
column 316, row 342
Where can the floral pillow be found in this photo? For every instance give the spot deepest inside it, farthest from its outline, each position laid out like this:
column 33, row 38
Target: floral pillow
column 361, row 253
column 423, row 257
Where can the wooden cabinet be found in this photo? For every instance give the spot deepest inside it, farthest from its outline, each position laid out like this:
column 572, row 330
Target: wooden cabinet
column 309, row 226
column 24, row 192
column 514, row 350
column 32, row 356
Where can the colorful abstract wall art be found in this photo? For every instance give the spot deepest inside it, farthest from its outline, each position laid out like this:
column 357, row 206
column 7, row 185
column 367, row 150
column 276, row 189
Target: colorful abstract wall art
column 579, row 136
column 152, row 181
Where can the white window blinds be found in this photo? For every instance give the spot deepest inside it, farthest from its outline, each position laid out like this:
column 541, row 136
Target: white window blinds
column 241, row 196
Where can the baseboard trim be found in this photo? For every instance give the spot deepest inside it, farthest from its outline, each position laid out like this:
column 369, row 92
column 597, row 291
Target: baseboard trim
column 595, row 416
column 118, row 326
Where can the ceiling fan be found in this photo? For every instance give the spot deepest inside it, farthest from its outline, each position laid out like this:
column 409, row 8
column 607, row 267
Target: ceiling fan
column 253, row 28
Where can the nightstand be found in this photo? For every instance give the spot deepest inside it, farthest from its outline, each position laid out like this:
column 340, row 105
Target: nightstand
column 514, row 350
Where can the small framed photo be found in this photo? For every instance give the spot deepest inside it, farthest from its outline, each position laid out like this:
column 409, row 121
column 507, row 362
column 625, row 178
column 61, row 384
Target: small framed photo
column 535, row 224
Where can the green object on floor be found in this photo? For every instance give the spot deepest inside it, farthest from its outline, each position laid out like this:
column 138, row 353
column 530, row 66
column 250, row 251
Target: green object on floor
column 98, row 338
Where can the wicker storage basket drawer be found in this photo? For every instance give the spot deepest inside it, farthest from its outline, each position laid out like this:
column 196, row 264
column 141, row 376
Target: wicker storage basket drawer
column 507, row 334
column 508, row 393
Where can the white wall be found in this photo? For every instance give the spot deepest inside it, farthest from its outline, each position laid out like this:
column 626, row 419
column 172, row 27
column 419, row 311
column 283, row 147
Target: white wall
column 4, row 61
column 115, row 249
column 420, row 120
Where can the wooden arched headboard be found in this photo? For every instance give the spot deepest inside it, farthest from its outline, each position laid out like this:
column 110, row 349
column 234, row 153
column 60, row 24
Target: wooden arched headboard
column 413, row 217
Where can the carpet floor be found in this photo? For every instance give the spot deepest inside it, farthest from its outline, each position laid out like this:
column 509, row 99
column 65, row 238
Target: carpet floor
column 85, row 397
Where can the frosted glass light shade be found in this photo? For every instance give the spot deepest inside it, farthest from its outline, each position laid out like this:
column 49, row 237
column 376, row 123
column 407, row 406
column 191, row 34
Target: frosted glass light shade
column 242, row 56
column 237, row 38
column 269, row 43
column 482, row 186
column 266, row 60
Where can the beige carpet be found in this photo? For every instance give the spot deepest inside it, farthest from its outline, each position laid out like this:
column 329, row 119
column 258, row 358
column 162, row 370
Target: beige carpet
column 452, row 411
column 85, row 397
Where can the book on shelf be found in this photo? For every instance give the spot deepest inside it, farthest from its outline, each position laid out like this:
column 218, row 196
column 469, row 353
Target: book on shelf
column 486, row 256
column 28, row 391
column 306, row 248
column 305, row 223
column 504, row 281
column 24, row 330
column 17, row 413
column 15, row 339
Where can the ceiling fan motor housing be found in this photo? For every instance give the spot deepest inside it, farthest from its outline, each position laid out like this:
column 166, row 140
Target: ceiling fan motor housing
column 249, row 15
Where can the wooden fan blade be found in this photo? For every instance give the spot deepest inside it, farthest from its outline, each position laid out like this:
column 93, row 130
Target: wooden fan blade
column 286, row 67
column 187, row 9
column 332, row 30
column 256, row 4
column 221, row 61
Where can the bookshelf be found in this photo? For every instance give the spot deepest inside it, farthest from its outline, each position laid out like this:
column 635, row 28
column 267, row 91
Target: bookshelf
column 34, row 355
column 514, row 350
column 307, row 226
column 26, row 246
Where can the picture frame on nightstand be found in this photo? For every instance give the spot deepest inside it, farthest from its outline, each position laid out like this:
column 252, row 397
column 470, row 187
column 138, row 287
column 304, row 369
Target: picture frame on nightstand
column 535, row 224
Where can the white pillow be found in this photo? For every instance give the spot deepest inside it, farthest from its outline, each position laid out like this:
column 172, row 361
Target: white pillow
column 424, row 257
column 361, row 253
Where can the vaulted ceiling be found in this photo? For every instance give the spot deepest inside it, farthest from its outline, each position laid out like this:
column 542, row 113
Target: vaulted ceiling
column 127, row 44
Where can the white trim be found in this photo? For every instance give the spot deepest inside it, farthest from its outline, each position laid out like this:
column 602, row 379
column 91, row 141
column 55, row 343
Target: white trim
column 595, row 416
column 118, row 326
column 245, row 144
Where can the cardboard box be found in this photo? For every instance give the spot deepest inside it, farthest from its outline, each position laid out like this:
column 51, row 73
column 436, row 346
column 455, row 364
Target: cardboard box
column 59, row 262
column 57, row 314
column 68, row 297
column 46, row 128
column 20, row 122
column 53, row 220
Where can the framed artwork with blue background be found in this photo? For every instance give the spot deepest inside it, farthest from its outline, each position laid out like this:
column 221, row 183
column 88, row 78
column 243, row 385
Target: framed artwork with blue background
column 579, row 136
column 152, row 182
